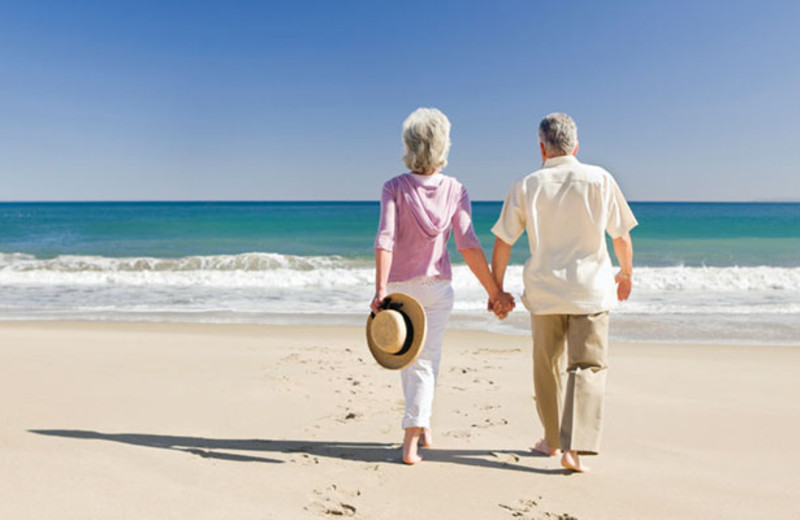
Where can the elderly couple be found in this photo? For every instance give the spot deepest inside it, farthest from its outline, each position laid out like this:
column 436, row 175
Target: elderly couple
column 566, row 208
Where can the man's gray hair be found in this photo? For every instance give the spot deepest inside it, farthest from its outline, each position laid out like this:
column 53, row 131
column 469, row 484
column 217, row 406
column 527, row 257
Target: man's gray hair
column 559, row 134
column 426, row 138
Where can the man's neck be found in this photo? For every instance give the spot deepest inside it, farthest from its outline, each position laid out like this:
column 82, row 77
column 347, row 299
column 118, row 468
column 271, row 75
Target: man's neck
column 548, row 156
column 557, row 158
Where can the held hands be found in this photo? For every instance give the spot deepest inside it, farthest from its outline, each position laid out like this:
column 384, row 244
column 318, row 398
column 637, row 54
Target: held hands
column 624, row 285
column 501, row 304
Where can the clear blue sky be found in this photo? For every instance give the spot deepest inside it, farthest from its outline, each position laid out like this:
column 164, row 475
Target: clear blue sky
column 304, row 100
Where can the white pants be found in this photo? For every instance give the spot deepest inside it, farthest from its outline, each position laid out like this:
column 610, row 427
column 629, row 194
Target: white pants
column 419, row 378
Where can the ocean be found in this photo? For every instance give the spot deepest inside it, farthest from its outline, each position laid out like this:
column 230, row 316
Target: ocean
column 705, row 272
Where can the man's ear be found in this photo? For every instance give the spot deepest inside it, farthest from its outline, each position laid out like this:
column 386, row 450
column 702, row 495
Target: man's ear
column 575, row 151
column 543, row 151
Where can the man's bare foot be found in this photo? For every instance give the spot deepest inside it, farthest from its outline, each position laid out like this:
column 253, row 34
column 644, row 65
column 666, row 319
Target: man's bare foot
column 410, row 446
column 426, row 439
column 571, row 461
column 544, row 448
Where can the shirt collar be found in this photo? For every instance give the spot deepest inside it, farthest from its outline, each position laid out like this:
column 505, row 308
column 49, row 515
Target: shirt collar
column 428, row 180
column 561, row 159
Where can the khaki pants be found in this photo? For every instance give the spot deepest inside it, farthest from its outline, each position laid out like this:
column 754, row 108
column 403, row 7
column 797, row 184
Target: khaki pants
column 571, row 416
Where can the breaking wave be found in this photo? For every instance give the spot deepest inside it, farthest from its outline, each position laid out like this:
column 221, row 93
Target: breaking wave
column 276, row 270
column 737, row 303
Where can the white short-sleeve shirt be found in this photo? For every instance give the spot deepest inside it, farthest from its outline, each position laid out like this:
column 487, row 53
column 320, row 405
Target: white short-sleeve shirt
column 566, row 208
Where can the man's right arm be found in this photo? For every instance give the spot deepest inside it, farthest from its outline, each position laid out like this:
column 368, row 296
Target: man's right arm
column 500, row 257
column 510, row 225
column 623, row 248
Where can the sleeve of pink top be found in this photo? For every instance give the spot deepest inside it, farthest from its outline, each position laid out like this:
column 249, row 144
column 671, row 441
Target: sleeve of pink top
column 387, row 226
column 462, row 224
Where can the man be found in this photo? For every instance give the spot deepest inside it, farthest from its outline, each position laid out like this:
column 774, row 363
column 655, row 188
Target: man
column 566, row 208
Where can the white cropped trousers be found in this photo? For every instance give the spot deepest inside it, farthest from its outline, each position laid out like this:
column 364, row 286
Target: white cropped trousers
column 419, row 379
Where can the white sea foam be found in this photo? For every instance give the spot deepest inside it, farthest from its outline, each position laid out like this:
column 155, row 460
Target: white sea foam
column 722, row 279
column 245, row 270
column 21, row 262
column 276, row 270
column 254, row 286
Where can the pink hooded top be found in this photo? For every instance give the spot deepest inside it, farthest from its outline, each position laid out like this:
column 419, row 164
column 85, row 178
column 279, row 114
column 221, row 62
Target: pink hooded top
column 417, row 214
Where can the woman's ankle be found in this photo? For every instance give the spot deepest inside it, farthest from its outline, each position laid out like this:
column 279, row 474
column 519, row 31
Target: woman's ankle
column 410, row 441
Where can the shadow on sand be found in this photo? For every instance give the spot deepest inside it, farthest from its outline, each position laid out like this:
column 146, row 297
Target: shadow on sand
column 357, row 451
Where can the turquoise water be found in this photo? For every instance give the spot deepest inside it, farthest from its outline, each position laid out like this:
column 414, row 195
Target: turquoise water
column 669, row 234
column 720, row 234
column 703, row 272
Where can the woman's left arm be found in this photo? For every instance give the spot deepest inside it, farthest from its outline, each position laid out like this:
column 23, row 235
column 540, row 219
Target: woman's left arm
column 384, row 244
column 383, row 263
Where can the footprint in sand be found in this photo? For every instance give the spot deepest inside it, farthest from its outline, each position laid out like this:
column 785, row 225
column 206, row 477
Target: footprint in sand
column 334, row 501
column 324, row 350
column 490, row 423
column 280, row 383
column 505, row 457
column 349, row 416
column 457, row 434
column 484, row 381
column 355, row 385
column 527, row 509
column 289, row 359
column 492, row 416
column 462, row 370
column 491, row 351
column 304, row 459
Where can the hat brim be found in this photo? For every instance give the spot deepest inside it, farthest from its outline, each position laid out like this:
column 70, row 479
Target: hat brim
column 415, row 315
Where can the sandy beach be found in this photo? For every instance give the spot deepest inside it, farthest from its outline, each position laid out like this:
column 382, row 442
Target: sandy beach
column 111, row 421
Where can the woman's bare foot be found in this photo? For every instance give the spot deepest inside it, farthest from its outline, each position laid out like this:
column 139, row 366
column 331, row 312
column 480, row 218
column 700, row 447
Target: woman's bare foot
column 426, row 439
column 410, row 446
column 544, row 448
column 571, row 461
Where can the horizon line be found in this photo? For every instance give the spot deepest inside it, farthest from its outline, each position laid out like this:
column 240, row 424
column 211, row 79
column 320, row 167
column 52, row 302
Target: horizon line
column 344, row 201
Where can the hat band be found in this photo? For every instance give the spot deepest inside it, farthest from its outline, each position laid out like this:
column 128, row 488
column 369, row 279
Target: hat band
column 409, row 334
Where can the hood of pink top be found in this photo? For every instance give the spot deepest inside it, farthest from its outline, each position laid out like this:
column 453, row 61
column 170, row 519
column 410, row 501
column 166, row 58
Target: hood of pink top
column 433, row 207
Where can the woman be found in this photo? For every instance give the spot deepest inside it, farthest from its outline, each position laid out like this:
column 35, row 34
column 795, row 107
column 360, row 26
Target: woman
column 418, row 211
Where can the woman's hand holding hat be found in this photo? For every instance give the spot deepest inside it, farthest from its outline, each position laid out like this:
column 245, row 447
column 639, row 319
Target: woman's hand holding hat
column 377, row 301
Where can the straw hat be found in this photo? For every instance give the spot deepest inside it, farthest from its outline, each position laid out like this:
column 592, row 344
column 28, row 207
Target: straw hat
column 396, row 334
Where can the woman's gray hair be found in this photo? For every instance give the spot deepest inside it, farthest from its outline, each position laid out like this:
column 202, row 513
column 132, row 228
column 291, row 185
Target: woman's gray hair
column 426, row 138
column 559, row 134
